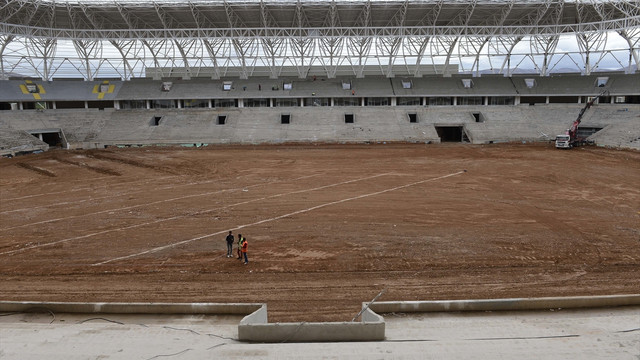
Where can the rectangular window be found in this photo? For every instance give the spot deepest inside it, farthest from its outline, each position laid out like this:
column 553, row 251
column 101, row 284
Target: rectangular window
column 377, row 101
column 563, row 99
column 222, row 103
column 439, row 101
column 602, row 81
column 133, row 104
column 285, row 102
column 69, row 104
column 408, row 101
column 196, row 103
column 222, row 119
column 317, row 101
column 32, row 88
column 256, row 102
column 349, row 118
column 100, row 104
column 470, row 100
column 502, row 100
column 533, row 100
column 285, row 118
column 413, row 117
column 349, row 101
column 163, row 104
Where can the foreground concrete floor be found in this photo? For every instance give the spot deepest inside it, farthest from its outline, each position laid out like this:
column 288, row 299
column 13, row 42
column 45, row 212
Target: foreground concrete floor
column 612, row 333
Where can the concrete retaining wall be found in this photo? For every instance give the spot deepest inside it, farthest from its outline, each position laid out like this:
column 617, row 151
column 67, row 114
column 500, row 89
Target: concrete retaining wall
column 96, row 129
column 131, row 308
column 255, row 328
column 506, row 304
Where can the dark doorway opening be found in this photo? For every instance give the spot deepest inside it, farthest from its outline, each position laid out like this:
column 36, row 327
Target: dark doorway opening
column 585, row 131
column 52, row 138
column 413, row 117
column 478, row 117
column 285, row 119
column 450, row 133
column 155, row 121
column 222, row 119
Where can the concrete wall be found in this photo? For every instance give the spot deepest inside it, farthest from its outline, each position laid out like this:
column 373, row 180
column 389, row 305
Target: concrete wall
column 255, row 328
column 94, row 128
column 570, row 302
column 131, row 308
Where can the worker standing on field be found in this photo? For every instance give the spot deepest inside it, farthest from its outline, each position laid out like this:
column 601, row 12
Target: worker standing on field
column 240, row 241
column 245, row 248
column 230, row 240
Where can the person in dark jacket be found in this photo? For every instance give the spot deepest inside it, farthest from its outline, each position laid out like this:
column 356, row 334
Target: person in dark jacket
column 230, row 240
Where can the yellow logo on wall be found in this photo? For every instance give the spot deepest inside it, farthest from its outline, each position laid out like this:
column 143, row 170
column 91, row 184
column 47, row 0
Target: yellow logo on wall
column 34, row 89
column 104, row 88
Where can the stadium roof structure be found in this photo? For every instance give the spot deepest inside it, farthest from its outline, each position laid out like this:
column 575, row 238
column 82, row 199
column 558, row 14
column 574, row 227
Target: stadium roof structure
column 212, row 38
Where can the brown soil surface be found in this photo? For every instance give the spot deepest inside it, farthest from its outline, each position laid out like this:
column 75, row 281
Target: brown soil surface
column 329, row 226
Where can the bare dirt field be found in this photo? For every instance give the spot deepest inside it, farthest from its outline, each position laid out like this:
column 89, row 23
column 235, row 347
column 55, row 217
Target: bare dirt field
column 329, row 226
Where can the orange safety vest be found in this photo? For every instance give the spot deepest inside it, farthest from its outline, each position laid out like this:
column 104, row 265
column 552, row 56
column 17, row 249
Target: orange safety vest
column 245, row 246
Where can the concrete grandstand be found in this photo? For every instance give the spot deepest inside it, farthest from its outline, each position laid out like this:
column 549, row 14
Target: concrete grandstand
column 240, row 72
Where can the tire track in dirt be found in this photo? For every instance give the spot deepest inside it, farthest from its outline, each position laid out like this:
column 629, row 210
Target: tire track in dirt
column 36, row 169
column 99, row 170
column 130, row 162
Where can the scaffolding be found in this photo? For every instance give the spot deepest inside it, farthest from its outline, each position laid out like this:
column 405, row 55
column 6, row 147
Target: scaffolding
column 217, row 39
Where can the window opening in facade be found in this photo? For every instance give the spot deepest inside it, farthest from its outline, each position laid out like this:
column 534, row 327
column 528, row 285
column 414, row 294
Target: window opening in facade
column 440, row 101
column 256, row 102
column 196, row 103
column 502, row 100
column 377, row 101
column 350, row 101
column 349, row 118
column 470, row 100
column 286, row 102
column 317, row 101
column 223, row 103
column 155, row 121
column 409, row 101
column 163, row 104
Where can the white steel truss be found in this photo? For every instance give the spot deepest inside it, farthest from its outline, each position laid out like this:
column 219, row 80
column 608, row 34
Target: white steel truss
column 226, row 38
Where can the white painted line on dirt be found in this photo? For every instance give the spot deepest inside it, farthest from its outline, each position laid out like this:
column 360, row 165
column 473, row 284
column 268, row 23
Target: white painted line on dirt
column 194, row 213
column 160, row 248
column 150, row 203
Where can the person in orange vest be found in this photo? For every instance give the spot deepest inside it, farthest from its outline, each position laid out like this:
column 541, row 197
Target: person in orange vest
column 245, row 247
